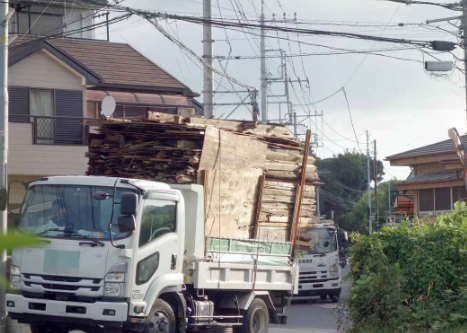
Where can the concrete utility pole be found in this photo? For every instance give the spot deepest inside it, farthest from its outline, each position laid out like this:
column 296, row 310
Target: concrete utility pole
column 376, row 188
column 207, row 56
column 264, row 83
column 295, row 131
column 368, row 181
column 4, row 8
column 389, row 202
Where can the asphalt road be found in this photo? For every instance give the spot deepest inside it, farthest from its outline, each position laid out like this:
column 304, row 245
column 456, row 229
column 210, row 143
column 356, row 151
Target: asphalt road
column 313, row 315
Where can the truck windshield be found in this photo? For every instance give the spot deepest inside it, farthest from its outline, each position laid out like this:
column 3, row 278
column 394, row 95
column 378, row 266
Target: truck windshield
column 69, row 211
column 317, row 240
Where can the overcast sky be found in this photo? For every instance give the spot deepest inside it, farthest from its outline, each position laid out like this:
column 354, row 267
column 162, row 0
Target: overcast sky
column 401, row 105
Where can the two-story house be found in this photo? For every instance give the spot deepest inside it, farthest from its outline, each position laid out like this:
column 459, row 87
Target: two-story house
column 55, row 17
column 436, row 181
column 55, row 83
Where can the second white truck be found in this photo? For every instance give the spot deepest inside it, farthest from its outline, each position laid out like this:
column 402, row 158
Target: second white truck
column 124, row 255
column 318, row 252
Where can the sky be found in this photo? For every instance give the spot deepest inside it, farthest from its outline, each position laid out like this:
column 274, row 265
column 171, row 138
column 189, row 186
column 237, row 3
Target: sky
column 395, row 100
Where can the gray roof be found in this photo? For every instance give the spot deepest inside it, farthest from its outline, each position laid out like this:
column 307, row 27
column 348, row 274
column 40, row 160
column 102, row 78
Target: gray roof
column 436, row 177
column 442, row 147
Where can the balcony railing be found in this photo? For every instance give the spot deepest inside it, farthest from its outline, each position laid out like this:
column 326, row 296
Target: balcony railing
column 56, row 130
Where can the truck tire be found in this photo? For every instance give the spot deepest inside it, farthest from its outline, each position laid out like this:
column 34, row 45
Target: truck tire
column 256, row 319
column 334, row 297
column 36, row 328
column 161, row 318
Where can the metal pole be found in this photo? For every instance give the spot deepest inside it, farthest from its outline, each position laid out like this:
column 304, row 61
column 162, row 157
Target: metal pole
column 4, row 8
column 376, row 186
column 264, row 83
column 207, row 56
column 295, row 133
column 368, row 181
column 107, row 26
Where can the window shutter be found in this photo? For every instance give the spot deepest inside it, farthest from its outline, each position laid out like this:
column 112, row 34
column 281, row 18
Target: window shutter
column 18, row 104
column 69, row 103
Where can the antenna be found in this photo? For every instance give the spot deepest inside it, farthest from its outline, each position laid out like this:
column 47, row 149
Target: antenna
column 108, row 106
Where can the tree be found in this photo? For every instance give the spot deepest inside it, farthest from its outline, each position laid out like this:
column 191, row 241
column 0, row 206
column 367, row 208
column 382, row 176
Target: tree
column 345, row 180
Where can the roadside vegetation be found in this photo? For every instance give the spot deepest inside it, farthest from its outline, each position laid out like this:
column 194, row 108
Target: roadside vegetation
column 411, row 278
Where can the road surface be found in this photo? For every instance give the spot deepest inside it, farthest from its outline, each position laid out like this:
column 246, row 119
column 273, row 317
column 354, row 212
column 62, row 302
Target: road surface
column 314, row 316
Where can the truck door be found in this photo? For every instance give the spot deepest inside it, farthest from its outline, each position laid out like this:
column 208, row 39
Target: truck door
column 158, row 243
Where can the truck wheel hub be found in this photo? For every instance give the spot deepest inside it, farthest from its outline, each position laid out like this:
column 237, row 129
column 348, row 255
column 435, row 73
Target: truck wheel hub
column 159, row 323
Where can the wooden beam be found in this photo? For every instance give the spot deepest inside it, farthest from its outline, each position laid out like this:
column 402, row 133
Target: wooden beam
column 259, row 203
column 296, row 220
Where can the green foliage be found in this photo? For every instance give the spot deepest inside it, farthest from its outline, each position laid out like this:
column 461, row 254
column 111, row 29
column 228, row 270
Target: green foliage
column 350, row 170
column 411, row 278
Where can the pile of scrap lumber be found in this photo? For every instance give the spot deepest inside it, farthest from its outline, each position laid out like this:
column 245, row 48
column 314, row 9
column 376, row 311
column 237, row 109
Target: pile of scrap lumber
column 250, row 171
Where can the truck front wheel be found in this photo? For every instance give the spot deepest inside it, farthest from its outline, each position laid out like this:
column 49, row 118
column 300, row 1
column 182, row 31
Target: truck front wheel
column 161, row 318
column 256, row 319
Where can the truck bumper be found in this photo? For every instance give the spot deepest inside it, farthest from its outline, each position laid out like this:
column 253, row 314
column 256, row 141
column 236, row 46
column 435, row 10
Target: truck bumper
column 22, row 308
column 320, row 288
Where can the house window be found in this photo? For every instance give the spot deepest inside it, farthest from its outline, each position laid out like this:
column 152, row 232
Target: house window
column 459, row 193
column 41, row 103
column 426, row 198
column 443, row 198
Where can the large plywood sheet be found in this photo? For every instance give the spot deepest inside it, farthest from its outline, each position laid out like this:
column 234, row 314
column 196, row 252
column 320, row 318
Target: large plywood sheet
column 231, row 199
column 225, row 150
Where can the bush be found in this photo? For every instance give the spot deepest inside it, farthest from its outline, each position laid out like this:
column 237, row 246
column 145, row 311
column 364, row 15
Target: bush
column 411, row 278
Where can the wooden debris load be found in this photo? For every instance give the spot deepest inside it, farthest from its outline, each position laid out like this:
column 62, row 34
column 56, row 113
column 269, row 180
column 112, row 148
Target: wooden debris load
column 250, row 171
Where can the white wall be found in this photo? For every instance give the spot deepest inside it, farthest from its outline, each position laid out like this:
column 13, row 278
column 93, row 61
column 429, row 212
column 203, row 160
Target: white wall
column 26, row 158
column 41, row 70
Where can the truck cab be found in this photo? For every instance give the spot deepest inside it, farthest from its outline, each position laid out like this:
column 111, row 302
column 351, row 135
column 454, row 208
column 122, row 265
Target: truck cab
column 318, row 252
column 129, row 255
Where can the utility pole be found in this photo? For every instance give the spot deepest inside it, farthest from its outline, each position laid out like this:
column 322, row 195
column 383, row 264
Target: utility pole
column 4, row 9
column 264, row 83
column 389, row 202
column 295, row 132
column 207, row 56
column 370, row 227
column 376, row 186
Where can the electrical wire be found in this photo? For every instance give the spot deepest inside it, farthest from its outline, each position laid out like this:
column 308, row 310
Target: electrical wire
column 351, row 119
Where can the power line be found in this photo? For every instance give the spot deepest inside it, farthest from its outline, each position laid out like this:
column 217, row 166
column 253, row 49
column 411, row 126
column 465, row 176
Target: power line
column 351, row 120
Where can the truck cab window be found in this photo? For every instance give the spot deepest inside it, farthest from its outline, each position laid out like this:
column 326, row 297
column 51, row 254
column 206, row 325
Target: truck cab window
column 158, row 218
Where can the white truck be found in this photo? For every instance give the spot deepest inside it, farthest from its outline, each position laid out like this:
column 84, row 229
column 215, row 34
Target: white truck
column 318, row 252
column 123, row 255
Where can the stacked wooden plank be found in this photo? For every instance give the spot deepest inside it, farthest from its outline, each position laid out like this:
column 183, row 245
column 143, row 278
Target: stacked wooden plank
column 283, row 170
column 250, row 171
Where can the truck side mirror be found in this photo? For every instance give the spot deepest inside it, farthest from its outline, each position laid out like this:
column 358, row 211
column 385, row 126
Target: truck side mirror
column 126, row 223
column 128, row 203
column 346, row 236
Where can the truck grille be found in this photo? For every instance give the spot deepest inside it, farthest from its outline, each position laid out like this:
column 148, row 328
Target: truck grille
column 61, row 285
column 312, row 277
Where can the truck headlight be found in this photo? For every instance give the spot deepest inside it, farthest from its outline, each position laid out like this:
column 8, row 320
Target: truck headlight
column 15, row 282
column 114, row 281
column 15, row 274
column 321, row 262
column 113, row 289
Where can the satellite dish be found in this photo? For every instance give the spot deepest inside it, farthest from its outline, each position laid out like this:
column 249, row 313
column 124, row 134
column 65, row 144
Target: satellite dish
column 108, row 106
column 458, row 145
